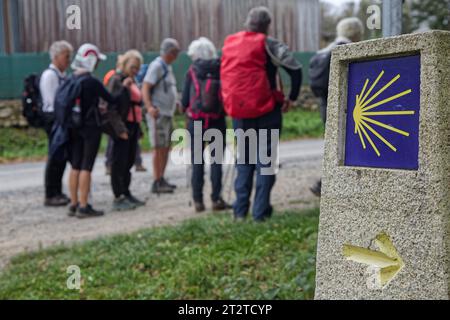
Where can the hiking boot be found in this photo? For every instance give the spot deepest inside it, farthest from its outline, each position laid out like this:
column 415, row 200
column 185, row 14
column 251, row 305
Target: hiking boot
column 317, row 189
column 107, row 170
column 55, row 202
column 166, row 183
column 158, row 188
column 141, row 168
column 64, row 197
column 72, row 210
column 220, row 205
column 88, row 212
column 135, row 201
column 199, row 207
column 123, row 204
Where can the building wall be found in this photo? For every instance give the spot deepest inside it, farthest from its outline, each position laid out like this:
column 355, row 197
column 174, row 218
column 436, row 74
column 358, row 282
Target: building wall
column 118, row 25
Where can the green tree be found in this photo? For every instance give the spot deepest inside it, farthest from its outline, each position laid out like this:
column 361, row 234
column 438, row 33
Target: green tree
column 428, row 14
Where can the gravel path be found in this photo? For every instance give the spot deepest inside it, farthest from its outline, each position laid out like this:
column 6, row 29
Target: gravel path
column 27, row 225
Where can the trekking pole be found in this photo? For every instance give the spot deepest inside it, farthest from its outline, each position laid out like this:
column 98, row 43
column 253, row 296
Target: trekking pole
column 189, row 168
column 156, row 143
column 227, row 173
column 233, row 170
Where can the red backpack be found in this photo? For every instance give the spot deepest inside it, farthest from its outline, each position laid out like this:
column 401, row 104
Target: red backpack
column 205, row 93
column 206, row 100
column 246, row 89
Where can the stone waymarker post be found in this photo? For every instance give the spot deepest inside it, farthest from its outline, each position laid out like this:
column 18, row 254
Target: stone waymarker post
column 384, row 219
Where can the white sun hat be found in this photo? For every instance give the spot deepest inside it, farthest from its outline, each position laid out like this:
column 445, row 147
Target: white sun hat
column 87, row 57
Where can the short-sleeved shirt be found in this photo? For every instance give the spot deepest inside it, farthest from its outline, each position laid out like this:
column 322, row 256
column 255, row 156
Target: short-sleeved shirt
column 51, row 79
column 164, row 95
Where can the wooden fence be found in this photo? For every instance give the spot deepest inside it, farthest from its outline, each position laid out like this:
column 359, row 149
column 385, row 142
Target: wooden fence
column 117, row 25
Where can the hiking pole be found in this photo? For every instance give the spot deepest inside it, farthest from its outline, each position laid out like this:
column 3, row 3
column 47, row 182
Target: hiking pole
column 189, row 168
column 189, row 182
column 233, row 170
column 230, row 187
column 227, row 173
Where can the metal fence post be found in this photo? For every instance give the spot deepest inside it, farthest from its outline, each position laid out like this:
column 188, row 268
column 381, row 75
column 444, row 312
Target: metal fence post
column 392, row 17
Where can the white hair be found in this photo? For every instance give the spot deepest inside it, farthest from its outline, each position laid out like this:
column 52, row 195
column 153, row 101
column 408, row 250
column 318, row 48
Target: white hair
column 58, row 47
column 258, row 20
column 350, row 28
column 202, row 48
column 169, row 45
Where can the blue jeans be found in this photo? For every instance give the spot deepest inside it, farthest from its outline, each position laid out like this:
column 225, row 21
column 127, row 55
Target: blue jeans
column 198, row 170
column 243, row 185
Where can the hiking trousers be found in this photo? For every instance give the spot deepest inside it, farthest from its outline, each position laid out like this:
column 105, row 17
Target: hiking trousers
column 256, row 164
column 123, row 157
column 198, row 169
column 55, row 166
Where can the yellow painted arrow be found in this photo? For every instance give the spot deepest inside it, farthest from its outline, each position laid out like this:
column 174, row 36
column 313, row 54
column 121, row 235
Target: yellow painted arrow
column 387, row 259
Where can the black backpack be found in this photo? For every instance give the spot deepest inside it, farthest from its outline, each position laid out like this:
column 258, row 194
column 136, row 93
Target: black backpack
column 67, row 103
column 32, row 102
column 319, row 73
column 205, row 95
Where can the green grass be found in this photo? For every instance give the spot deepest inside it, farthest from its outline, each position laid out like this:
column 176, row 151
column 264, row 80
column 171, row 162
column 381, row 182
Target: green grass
column 28, row 144
column 16, row 144
column 302, row 124
column 205, row 258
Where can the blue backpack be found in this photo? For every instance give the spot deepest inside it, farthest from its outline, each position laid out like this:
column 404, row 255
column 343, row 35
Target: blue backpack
column 67, row 103
column 141, row 75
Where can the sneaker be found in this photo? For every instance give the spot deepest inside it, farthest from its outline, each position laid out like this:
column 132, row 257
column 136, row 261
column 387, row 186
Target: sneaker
column 88, row 212
column 55, row 202
column 199, row 207
column 123, row 204
column 220, row 205
column 72, row 210
column 166, row 183
column 159, row 187
column 317, row 189
column 141, row 168
column 239, row 219
column 135, row 201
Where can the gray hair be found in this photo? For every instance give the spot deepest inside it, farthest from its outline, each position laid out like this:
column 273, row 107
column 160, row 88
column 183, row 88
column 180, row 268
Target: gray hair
column 202, row 48
column 58, row 47
column 350, row 28
column 258, row 20
column 169, row 45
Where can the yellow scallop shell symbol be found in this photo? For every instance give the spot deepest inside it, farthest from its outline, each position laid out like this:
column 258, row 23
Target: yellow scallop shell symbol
column 363, row 117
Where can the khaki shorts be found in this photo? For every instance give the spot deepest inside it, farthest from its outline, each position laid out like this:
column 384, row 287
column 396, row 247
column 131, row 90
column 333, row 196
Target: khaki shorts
column 160, row 131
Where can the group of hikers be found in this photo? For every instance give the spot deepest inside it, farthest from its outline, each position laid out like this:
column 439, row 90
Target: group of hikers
column 243, row 84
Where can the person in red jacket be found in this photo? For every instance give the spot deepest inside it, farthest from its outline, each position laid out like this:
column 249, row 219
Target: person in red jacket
column 251, row 96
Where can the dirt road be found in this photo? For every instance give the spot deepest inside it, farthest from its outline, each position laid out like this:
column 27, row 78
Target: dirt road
column 27, row 225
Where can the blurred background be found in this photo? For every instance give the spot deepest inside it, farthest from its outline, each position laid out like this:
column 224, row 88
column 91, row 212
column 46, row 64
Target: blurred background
column 28, row 27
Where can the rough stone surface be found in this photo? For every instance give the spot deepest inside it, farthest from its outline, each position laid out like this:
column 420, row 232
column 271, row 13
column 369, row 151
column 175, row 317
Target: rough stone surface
column 412, row 207
column 11, row 114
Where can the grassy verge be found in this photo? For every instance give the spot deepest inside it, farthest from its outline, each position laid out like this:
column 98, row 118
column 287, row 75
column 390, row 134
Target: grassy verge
column 205, row 258
column 29, row 144
column 22, row 144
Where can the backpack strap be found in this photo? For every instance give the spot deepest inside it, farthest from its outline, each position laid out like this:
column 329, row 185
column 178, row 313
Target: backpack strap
column 196, row 85
column 60, row 79
column 165, row 74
